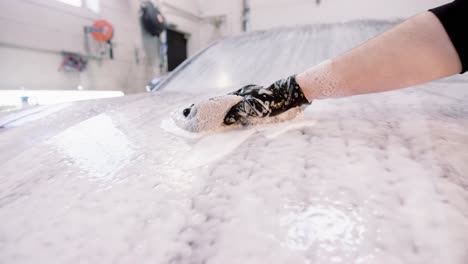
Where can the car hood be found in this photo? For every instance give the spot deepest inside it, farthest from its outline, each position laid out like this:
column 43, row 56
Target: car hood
column 368, row 179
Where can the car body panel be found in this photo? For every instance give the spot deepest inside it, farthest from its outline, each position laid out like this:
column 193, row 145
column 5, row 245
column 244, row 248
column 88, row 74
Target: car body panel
column 369, row 179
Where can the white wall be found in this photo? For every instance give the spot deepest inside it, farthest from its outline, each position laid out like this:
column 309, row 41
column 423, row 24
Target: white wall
column 35, row 26
column 267, row 13
column 34, row 32
column 54, row 26
column 231, row 10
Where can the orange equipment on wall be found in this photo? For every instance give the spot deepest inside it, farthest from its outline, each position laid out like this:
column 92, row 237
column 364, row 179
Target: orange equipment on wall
column 102, row 32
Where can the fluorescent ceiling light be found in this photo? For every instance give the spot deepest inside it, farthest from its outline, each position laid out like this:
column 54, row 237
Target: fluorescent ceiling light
column 48, row 97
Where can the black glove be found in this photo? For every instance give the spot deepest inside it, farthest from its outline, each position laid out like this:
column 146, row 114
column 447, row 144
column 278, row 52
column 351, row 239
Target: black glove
column 262, row 102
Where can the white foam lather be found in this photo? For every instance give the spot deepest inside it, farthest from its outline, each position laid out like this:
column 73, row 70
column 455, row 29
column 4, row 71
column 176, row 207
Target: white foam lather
column 205, row 115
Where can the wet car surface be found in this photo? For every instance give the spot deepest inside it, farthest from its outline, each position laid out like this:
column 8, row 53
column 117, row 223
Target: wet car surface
column 370, row 179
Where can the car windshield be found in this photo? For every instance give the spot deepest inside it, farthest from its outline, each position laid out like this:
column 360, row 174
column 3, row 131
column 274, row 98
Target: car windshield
column 263, row 57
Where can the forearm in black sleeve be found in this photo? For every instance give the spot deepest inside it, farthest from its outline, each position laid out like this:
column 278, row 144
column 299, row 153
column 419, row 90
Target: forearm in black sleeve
column 454, row 18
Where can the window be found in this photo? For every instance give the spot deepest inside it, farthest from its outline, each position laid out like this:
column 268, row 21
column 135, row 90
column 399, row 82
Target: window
column 92, row 5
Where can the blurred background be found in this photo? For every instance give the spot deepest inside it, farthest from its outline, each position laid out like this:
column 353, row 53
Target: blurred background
column 64, row 50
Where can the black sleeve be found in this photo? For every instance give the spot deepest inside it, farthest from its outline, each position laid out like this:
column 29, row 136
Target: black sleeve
column 454, row 18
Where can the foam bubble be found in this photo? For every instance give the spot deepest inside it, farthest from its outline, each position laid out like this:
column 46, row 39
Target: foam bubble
column 292, row 113
column 326, row 84
column 206, row 115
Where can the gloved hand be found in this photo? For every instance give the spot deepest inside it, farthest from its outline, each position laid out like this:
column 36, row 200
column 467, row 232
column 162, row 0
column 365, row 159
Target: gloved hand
column 259, row 101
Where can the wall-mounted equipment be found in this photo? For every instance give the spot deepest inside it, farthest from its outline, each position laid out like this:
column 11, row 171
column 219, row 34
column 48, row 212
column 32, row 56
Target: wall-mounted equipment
column 73, row 62
column 154, row 25
column 152, row 20
column 99, row 44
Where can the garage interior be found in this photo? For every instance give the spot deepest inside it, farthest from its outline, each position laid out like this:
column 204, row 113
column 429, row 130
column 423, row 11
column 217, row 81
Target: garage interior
column 94, row 169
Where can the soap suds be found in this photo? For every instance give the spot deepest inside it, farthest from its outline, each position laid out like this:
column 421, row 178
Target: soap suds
column 208, row 116
column 325, row 84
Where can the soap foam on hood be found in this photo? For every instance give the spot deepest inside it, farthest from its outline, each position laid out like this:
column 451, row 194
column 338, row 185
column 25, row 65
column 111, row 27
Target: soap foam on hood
column 208, row 115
